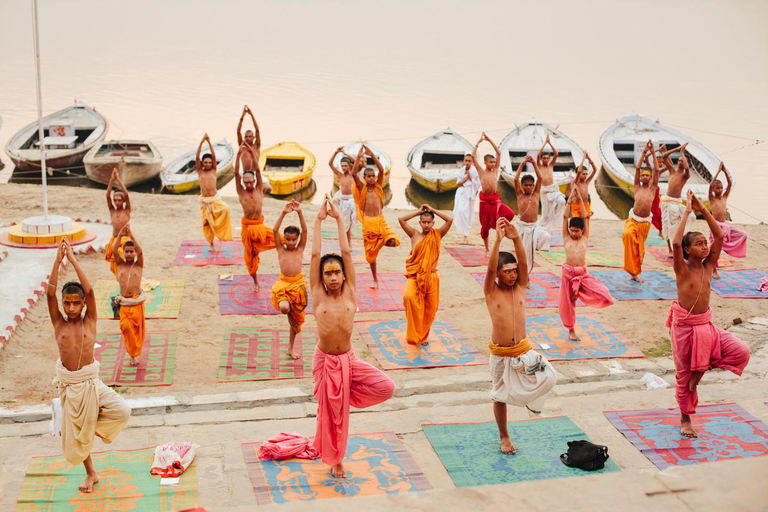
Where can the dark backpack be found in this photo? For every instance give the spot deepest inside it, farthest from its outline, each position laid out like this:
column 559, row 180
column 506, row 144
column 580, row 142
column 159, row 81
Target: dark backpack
column 585, row 455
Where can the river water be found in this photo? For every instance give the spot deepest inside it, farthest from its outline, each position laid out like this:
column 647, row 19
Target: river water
column 326, row 73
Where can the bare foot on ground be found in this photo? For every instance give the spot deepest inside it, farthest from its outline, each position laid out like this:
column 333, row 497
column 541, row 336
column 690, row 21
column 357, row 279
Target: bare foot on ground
column 637, row 279
column 374, row 286
column 88, row 483
column 572, row 335
column 338, row 471
column 294, row 355
column 134, row 361
column 686, row 427
column 507, row 446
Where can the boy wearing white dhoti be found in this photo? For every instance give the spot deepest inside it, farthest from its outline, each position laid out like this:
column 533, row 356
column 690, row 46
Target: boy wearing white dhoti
column 345, row 198
column 552, row 200
column 535, row 237
column 468, row 185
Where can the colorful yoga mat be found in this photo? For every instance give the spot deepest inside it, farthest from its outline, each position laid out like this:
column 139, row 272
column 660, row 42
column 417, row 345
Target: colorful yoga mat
column 653, row 238
column 198, row 253
column 739, row 284
column 164, row 301
column 725, row 431
column 358, row 251
column 469, row 256
column 156, row 362
column 595, row 258
column 661, row 252
column 375, row 464
column 471, row 454
column 655, row 285
column 125, row 484
column 597, row 339
column 250, row 353
column 447, row 346
column 236, row 295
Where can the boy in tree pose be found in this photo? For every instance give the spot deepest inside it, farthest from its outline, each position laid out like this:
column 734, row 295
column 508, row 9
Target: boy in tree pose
column 535, row 237
column 491, row 207
column 734, row 239
column 119, row 205
column 583, row 208
column 131, row 299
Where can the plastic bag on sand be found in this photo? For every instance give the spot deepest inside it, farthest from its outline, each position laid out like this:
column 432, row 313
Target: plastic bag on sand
column 652, row 381
column 287, row 445
column 54, row 426
column 171, row 459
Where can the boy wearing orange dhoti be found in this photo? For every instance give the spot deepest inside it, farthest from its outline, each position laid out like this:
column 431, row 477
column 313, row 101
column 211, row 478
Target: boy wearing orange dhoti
column 130, row 268
column 119, row 205
column 521, row 376
column 697, row 343
column 638, row 224
column 88, row 407
column 583, row 208
column 369, row 197
column 734, row 239
column 289, row 293
column 576, row 282
column 215, row 212
column 256, row 236
column 422, row 288
column 341, row 379
column 491, row 207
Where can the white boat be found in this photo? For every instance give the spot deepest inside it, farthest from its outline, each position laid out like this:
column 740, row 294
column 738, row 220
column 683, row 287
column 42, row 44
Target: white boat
column 137, row 161
column 352, row 149
column 527, row 139
column 67, row 134
column 434, row 162
column 180, row 175
column 622, row 143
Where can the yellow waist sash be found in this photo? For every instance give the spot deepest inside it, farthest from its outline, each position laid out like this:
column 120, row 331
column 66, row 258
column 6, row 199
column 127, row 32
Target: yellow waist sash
column 515, row 350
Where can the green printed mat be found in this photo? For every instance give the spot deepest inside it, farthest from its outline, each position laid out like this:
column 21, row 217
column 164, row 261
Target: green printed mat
column 50, row 485
column 250, row 353
column 156, row 361
column 333, row 233
column 471, row 451
column 164, row 301
column 594, row 258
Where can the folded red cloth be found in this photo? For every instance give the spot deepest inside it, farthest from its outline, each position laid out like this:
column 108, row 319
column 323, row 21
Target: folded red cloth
column 287, row 445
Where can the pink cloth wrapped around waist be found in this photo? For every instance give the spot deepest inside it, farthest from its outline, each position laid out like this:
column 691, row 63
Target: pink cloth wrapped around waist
column 734, row 240
column 287, row 445
column 699, row 332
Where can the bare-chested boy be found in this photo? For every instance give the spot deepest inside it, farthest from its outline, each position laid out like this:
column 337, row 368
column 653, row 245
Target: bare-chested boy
column 341, row 379
column 672, row 207
column 583, row 208
column 255, row 235
column 369, row 197
column 119, row 205
column 345, row 198
column 528, row 191
column 697, row 343
column 289, row 293
column 552, row 200
column 638, row 224
column 576, row 282
column 130, row 268
column 252, row 139
column 491, row 207
column 734, row 239
column 215, row 212
column 521, row 376
column 89, row 408
column 422, row 287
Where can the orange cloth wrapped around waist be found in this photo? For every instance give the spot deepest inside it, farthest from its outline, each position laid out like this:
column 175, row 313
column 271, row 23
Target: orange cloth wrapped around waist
column 576, row 210
column 133, row 327
column 423, row 259
column 215, row 218
column 256, row 238
column 361, row 196
column 376, row 234
column 516, row 350
column 292, row 289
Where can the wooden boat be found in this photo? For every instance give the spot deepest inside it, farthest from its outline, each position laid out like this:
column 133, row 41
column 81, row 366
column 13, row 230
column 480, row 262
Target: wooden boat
column 434, row 162
column 622, row 143
column 180, row 176
column 67, row 134
column 352, row 149
column 527, row 139
column 288, row 166
column 137, row 161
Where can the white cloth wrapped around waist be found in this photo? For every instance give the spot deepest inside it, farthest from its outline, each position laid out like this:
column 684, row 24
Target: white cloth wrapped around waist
column 637, row 217
column 66, row 377
column 522, row 381
column 131, row 301
column 206, row 202
column 546, row 189
column 669, row 199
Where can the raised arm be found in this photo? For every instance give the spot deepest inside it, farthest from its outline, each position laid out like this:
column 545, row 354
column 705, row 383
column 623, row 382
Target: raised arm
column 198, row 163
column 683, row 162
column 678, row 261
column 584, row 210
column 330, row 162
column 555, row 154
column 537, row 187
column 240, row 126
column 403, row 220
column 302, row 224
column 53, row 280
column 567, row 211
column 257, row 169
column 447, row 219
column 136, row 246
column 213, row 152
column 655, row 170
column 116, row 244
column 489, row 285
column 518, row 187
column 727, row 179
column 592, row 164
column 356, row 168
column 380, row 176
column 90, row 296
column 256, row 134
column 288, row 208
column 495, row 148
column 126, row 197
column 238, row 179
column 317, row 246
column 346, row 249
column 110, row 204
column 714, row 227
column 510, row 231
column 474, row 155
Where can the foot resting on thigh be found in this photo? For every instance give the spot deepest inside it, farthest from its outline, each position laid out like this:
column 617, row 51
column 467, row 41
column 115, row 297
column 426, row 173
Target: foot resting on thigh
column 686, row 427
column 716, row 274
column 338, row 471
column 507, row 446
column 694, row 380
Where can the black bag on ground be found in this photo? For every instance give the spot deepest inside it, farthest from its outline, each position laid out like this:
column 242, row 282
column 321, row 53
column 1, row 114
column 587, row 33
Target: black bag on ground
column 585, row 455
column 115, row 307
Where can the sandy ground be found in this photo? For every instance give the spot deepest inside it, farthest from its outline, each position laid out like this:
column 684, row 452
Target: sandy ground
column 161, row 222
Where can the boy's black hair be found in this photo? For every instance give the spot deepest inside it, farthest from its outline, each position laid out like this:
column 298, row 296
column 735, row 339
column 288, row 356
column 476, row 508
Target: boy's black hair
column 505, row 258
column 688, row 240
column 526, row 178
column 292, row 229
column 73, row 287
column 576, row 222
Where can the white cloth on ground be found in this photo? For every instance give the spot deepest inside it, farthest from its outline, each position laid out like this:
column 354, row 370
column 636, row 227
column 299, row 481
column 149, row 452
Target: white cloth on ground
column 552, row 205
column 172, row 459
column 522, row 381
column 346, row 205
column 464, row 201
column 672, row 210
column 534, row 238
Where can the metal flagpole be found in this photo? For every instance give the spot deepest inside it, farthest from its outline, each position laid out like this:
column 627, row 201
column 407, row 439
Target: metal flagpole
column 40, row 129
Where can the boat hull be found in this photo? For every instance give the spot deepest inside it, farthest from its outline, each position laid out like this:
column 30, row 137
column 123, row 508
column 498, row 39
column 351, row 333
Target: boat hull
column 180, row 176
column 131, row 173
column 285, row 183
column 66, row 161
column 436, row 186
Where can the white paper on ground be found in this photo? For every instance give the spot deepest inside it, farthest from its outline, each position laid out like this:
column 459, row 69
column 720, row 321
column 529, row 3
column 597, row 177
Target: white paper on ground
column 169, row 481
column 544, row 346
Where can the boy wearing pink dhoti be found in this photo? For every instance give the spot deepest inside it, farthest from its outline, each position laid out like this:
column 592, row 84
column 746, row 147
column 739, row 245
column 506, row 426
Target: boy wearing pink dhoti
column 341, row 379
column 697, row 344
column 576, row 282
column 734, row 239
